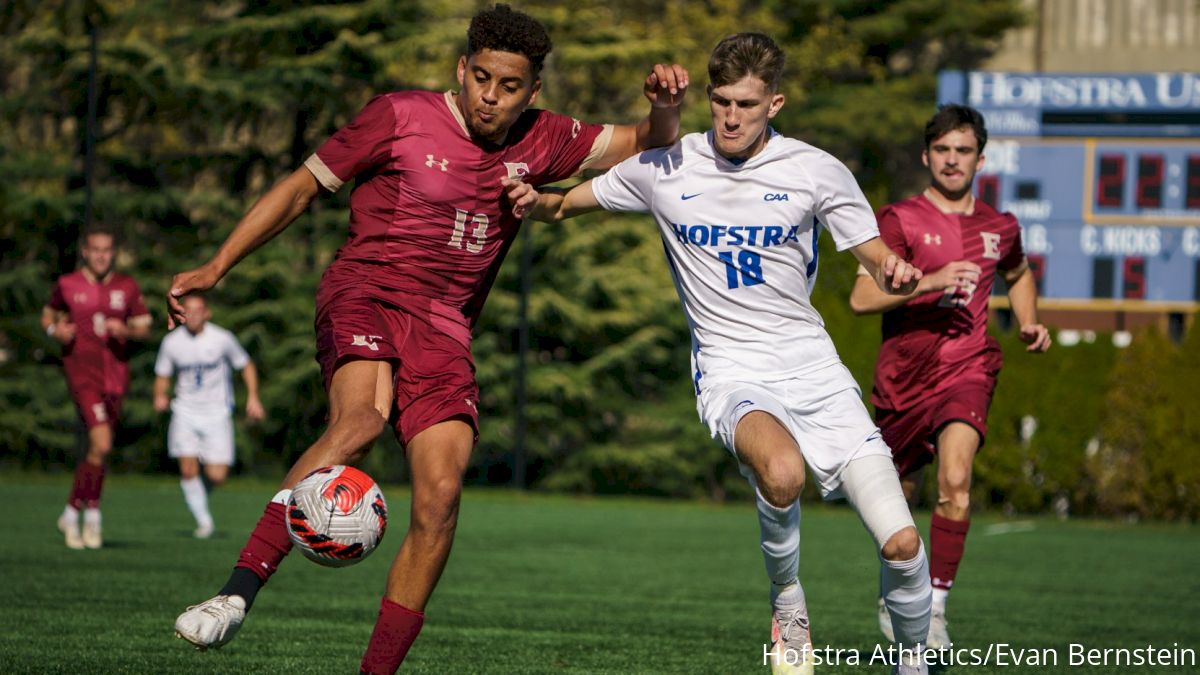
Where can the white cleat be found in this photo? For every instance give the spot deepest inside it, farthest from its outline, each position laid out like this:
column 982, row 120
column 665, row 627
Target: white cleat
column 939, row 638
column 203, row 532
column 791, row 642
column 91, row 536
column 914, row 665
column 70, row 529
column 885, row 622
column 213, row 622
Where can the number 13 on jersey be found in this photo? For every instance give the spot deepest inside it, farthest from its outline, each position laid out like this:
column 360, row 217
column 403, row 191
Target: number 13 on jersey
column 478, row 233
column 747, row 269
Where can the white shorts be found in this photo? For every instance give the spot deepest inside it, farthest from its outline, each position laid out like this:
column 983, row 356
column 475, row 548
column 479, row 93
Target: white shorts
column 823, row 411
column 207, row 437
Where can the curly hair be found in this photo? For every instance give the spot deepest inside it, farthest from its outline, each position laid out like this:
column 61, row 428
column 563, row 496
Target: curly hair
column 505, row 29
column 953, row 117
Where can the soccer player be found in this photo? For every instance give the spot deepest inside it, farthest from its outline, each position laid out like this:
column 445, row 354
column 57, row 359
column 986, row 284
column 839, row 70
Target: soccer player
column 740, row 209
column 937, row 366
column 428, row 230
column 93, row 313
column 202, row 355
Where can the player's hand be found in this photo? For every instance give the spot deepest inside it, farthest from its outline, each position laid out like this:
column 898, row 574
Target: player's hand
column 521, row 195
column 64, row 331
column 254, row 410
column 161, row 404
column 897, row 276
column 666, row 85
column 193, row 281
column 958, row 274
column 1036, row 336
column 116, row 328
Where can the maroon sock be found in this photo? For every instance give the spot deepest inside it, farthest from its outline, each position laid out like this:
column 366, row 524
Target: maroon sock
column 77, row 498
column 395, row 631
column 85, row 491
column 946, row 539
column 268, row 543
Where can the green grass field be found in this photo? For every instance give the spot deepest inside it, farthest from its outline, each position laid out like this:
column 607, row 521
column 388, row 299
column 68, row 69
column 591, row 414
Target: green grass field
column 543, row 584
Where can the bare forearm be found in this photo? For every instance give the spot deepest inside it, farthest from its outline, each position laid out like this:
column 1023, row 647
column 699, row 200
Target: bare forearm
column 250, row 377
column 867, row 298
column 269, row 216
column 162, row 387
column 659, row 128
column 1022, row 297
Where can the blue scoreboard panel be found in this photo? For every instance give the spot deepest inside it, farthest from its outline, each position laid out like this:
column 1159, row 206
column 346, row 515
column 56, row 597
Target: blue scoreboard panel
column 1108, row 221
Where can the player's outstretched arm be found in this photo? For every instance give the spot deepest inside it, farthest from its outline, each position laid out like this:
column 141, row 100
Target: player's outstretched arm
column 954, row 279
column 162, row 393
column 550, row 205
column 664, row 87
column 1022, row 296
column 269, row 216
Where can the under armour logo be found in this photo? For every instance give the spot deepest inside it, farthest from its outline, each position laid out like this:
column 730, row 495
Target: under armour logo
column 440, row 163
column 472, row 404
column 933, row 239
column 367, row 341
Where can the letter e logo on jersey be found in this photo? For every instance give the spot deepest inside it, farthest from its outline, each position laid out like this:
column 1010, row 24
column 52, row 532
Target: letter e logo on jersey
column 116, row 300
column 933, row 239
column 517, row 169
column 440, row 163
column 991, row 245
column 367, row 341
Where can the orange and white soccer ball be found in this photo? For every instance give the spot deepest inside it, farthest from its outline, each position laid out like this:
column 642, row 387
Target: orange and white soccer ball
column 336, row 516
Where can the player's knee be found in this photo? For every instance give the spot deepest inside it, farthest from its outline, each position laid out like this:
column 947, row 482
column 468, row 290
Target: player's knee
column 782, row 480
column 98, row 449
column 357, row 430
column 954, row 494
column 904, row 545
column 435, row 505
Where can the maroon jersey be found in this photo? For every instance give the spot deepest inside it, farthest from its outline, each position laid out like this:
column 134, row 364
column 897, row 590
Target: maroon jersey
column 428, row 222
column 94, row 361
column 928, row 342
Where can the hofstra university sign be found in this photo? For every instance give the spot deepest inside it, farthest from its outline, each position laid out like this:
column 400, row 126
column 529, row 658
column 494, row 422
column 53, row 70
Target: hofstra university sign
column 1158, row 104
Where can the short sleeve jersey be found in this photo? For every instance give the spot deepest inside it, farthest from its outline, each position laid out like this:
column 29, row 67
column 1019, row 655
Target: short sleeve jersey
column 94, row 361
column 204, row 365
column 428, row 217
column 929, row 342
column 741, row 242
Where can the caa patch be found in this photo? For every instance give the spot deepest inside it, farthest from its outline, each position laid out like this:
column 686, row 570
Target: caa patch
column 775, row 197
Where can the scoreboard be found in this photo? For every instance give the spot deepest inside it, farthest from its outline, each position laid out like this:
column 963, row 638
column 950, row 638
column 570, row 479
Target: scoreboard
column 1103, row 173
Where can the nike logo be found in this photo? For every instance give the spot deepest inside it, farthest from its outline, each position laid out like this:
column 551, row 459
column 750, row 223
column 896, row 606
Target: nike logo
column 687, row 197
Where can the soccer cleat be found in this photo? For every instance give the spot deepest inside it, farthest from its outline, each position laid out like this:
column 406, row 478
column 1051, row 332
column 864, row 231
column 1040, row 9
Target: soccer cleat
column 939, row 638
column 70, row 529
column 213, row 622
column 203, row 532
column 791, row 642
column 911, row 666
column 885, row 622
column 91, row 535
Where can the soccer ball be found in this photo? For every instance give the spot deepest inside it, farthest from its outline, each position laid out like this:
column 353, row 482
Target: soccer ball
column 336, row 516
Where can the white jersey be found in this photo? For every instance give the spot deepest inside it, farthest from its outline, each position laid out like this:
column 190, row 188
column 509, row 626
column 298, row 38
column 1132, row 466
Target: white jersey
column 741, row 241
column 204, row 365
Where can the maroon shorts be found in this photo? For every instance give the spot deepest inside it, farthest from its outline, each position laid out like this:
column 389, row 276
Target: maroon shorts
column 912, row 433
column 96, row 407
column 434, row 373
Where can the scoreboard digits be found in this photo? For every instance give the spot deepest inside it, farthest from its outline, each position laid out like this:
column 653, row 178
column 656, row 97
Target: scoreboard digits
column 1103, row 173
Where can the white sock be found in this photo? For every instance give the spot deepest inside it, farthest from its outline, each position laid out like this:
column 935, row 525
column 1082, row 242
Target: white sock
column 71, row 514
column 197, row 500
column 779, row 532
column 91, row 517
column 940, row 595
column 908, row 596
